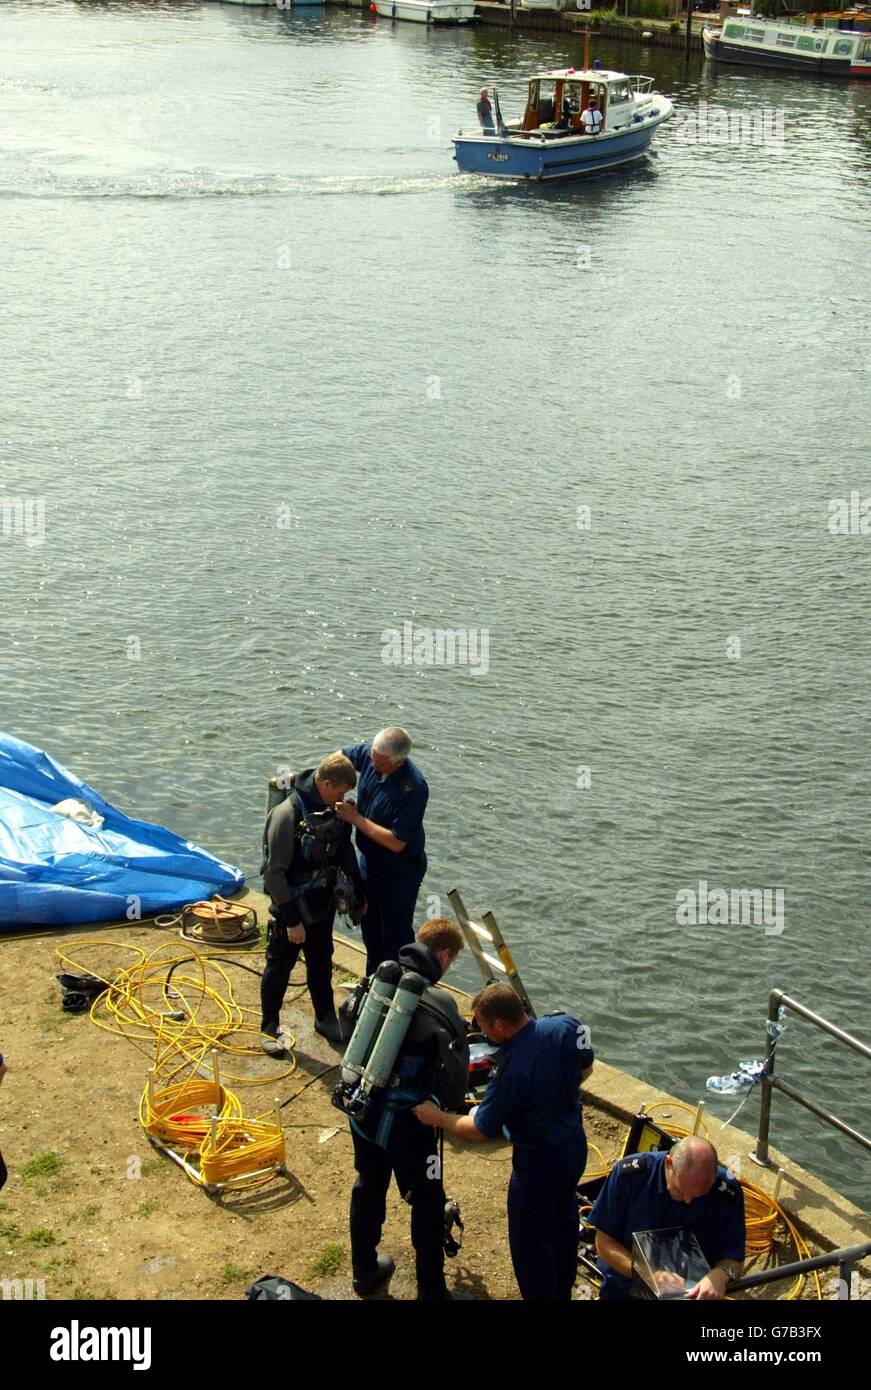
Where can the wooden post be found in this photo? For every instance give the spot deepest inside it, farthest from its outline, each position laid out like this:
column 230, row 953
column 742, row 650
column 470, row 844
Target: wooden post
column 689, row 32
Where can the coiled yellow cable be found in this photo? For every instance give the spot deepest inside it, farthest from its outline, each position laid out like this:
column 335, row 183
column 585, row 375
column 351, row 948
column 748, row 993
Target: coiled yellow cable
column 165, row 1000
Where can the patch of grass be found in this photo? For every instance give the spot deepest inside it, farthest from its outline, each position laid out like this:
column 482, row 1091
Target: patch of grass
column 344, row 977
column 46, row 1165
column 9, row 1230
column 51, row 1024
column 87, row 1214
column 328, row 1261
column 56, row 1263
column 82, row 1294
column 149, row 1167
column 231, row 1273
column 147, row 1208
column 40, row 1236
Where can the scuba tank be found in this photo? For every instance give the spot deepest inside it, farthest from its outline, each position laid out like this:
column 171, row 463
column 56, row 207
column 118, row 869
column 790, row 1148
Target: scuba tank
column 368, row 1024
column 362, row 1078
column 382, row 1058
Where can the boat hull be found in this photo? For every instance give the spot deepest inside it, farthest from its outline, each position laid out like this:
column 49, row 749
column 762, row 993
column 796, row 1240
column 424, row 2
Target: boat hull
column 421, row 12
column 543, row 161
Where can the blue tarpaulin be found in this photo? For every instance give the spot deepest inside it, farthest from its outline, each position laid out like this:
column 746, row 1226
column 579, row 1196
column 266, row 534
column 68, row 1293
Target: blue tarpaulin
column 55, row 871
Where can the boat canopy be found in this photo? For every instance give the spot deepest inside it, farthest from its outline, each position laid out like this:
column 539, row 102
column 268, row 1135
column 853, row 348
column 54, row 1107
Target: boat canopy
column 556, row 99
column 87, row 862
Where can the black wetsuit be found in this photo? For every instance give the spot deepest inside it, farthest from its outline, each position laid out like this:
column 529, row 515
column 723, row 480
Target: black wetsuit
column 392, row 1141
column 284, row 870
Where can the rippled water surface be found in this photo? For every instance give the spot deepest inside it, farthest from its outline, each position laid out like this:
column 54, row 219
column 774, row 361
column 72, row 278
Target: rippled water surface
column 242, row 286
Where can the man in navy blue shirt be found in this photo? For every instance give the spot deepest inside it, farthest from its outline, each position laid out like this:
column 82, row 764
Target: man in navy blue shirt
column 391, row 800
column 658, row 1191
column 532, row 1099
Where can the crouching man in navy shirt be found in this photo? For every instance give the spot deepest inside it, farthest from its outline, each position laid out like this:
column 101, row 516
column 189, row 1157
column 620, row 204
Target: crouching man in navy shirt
column 532, row 1099
column 655, row 1191
column 391, row 800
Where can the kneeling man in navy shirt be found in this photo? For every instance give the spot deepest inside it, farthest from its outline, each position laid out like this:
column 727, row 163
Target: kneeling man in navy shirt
column 532, row 1099
column 655, row 1191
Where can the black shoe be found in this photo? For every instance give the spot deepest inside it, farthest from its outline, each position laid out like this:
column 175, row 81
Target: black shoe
column 271, row 1040
column 331, row 1029
column 364, row 1284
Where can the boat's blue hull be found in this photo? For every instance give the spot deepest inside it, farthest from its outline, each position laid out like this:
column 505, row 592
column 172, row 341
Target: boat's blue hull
column 543, row 160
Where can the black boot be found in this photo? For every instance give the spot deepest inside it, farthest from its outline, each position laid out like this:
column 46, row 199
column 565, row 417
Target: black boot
column 332, row 1029
column 368, row 1282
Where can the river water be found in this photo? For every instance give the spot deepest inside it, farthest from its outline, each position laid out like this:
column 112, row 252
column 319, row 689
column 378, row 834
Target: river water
column 283, row 381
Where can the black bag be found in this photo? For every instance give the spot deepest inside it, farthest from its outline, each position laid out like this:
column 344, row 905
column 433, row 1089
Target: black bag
column 271, row 1286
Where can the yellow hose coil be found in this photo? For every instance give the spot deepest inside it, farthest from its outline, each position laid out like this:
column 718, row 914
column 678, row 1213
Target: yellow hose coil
column 181, row 1108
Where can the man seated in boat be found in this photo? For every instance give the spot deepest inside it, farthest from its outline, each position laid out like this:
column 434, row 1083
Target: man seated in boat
column 569, row 109
column 592, row 117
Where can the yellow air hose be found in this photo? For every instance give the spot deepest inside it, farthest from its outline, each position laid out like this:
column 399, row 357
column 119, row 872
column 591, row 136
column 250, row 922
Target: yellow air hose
column 181, row 1006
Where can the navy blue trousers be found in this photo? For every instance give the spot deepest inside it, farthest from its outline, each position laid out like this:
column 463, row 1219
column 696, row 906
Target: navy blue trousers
column 543, row 1237
column 391, row 898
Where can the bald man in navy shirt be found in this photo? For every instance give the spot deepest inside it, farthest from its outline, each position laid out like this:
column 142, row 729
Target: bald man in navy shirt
column 659, row 1191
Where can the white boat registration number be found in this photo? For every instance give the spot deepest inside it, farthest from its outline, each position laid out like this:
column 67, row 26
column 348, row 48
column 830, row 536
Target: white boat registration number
column 500, row 157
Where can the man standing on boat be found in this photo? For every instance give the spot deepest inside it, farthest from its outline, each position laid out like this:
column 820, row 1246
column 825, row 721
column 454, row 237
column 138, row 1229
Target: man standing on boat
column 592, row 117
column 485, row 113
column 391, row 802
column 532, row 1099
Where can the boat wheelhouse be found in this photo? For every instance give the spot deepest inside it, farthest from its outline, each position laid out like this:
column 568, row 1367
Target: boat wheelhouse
column 549, row 140
column 821, row 48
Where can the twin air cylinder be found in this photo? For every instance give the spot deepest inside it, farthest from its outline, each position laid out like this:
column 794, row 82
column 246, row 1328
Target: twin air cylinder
column 385, row 1018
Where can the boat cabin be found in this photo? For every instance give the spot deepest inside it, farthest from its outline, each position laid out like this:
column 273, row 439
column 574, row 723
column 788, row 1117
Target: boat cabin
column 556, row 99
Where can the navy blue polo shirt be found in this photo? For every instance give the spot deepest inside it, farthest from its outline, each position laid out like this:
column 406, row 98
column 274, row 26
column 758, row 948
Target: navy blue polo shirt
column 397, row 802
column 532, row 1098
column 636, row 1198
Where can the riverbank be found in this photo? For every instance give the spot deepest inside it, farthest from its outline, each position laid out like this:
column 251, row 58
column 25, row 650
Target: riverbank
column 655, row 33
column 93, row 1211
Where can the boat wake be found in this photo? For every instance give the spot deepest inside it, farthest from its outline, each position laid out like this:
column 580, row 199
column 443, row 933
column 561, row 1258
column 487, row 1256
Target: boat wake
column 37, row 182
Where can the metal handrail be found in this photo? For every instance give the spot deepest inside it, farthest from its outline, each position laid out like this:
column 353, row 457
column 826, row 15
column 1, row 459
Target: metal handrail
column 845, row 1259
column 777, row 1000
